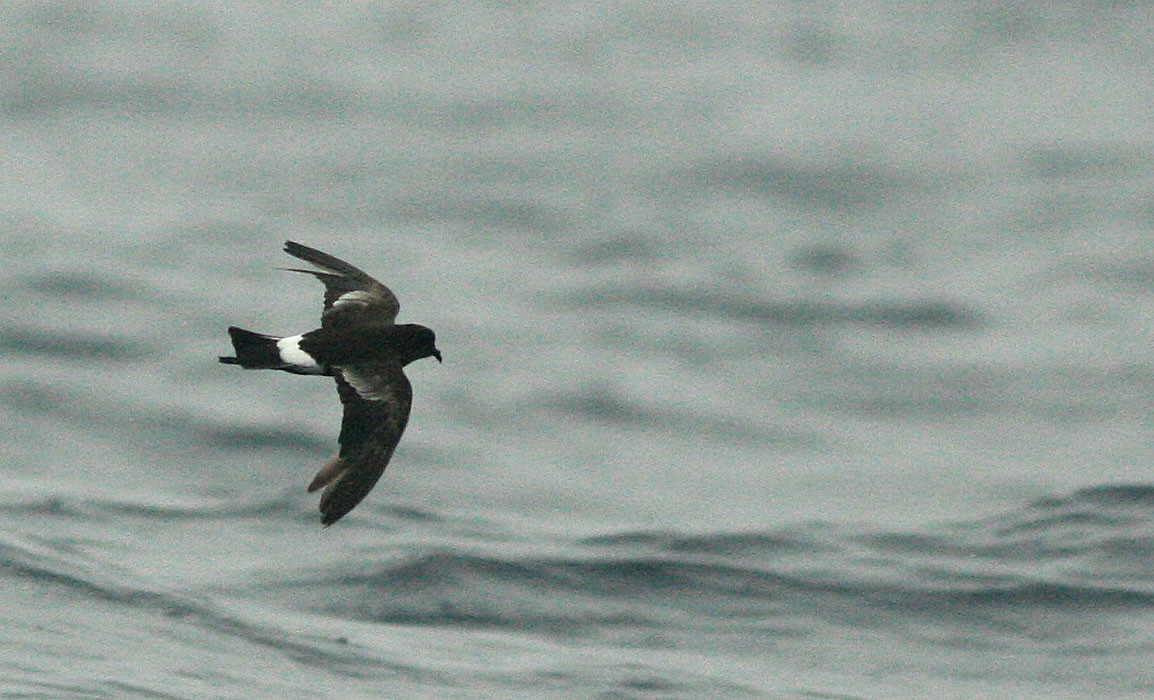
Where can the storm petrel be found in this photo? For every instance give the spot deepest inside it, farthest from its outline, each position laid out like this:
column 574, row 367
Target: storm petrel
column 359, row 344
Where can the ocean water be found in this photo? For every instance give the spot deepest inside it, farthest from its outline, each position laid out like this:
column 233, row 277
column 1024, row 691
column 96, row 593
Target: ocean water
column 792, row 350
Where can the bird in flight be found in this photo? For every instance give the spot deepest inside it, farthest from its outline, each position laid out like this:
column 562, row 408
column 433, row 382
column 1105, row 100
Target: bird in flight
column 361, row 346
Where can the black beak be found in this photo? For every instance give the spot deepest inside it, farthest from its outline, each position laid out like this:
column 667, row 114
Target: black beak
column 437, row 354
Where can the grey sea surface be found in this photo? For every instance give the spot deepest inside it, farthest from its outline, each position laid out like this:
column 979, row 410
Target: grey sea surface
column 792, row 350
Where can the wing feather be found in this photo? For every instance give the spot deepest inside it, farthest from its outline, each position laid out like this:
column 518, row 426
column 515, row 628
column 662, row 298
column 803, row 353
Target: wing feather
column 377, row 399
column 351, row 295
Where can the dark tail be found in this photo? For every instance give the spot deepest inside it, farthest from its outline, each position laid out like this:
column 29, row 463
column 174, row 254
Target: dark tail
column 253, row 350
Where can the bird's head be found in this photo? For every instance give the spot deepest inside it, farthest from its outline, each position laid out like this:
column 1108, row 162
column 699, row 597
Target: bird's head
column 418, row 342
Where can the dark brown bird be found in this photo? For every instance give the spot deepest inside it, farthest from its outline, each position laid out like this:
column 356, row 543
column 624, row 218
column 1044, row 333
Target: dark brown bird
column 360, row 345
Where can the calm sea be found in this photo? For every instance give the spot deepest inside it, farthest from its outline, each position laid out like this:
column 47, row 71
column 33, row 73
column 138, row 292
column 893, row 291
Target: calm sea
column 792, row 350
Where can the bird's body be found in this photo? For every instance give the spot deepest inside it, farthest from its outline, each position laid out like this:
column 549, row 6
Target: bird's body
column 361, row 346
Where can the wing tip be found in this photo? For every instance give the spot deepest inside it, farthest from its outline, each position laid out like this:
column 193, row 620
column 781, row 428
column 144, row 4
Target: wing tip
column 330, row 264
column 333, row 511
column 298, row 250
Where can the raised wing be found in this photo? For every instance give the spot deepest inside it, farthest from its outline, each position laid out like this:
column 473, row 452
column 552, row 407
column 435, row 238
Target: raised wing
column 351, row 296
column 377, row 399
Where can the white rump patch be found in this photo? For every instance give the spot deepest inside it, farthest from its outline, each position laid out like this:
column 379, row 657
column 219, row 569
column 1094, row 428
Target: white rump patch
column 363, row 385
column 354, row 298
column 291, row 354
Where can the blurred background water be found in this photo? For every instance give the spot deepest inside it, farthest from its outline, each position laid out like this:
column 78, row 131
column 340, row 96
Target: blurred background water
column 792, row 349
